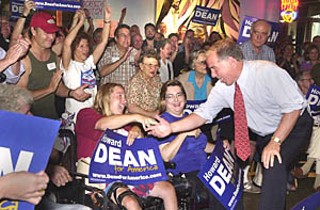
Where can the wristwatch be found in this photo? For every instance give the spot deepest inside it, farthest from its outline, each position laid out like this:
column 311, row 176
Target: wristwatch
column 277, row 140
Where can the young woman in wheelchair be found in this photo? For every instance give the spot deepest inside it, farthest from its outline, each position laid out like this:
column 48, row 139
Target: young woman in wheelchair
column 108, row 112
column 188, row 150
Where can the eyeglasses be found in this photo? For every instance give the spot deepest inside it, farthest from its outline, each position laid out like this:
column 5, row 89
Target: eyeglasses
column 150, row 65
column 202, row 62
column 308, row 79
column 171, row 97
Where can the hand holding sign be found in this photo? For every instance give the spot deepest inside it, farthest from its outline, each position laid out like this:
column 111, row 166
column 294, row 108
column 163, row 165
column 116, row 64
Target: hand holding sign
column 24, row 186
column 134, row 133
column 27, row 7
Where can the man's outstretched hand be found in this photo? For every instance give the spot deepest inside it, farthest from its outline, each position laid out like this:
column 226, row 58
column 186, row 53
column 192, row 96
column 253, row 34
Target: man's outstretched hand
column 161, row 130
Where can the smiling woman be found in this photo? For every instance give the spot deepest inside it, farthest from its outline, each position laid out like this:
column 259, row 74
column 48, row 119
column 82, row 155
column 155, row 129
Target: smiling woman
column 143, row 89
column 77, row 63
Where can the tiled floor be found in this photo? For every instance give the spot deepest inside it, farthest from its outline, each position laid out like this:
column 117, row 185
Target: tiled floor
column 305, row 188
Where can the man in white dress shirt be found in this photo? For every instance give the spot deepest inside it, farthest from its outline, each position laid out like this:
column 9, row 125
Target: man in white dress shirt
column 275, row 111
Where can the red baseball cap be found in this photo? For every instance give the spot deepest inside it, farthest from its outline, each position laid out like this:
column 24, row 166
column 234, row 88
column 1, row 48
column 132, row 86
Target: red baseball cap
column 44, row 21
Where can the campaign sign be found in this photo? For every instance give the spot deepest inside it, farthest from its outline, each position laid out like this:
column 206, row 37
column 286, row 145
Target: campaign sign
column 313, row 98
column 95, row 7
column 205, row 15
column 16, row 8
column 64, row 5
column 311, row 202
column 223, row 177
column 114, row 160
column 25, row 145
column 244, row 34
column 192, row 105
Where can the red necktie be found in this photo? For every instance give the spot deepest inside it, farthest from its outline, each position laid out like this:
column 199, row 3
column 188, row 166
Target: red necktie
column 241, row 134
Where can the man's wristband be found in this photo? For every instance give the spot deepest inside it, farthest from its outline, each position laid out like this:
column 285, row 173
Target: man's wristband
column 23, row 16
column 107, row 21
column 69, row 93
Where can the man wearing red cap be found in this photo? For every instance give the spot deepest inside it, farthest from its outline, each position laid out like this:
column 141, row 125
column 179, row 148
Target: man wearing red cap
column 42, row 77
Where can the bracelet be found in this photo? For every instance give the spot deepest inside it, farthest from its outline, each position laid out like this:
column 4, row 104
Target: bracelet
column 23, row 16
column 69, row 93
column 107, row 21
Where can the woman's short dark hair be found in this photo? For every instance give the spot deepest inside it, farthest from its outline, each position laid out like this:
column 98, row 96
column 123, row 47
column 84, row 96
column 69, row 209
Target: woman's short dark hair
column 81, row 35
column 164, row 88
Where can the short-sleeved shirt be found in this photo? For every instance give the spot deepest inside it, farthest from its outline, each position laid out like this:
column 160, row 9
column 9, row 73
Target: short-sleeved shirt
column 191, row 155
column 144, row 93
column 76, row 75
column 124, row 71
column 265, row 54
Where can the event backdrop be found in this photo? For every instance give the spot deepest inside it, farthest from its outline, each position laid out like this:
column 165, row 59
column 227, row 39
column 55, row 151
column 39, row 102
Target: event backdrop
column 176, row 15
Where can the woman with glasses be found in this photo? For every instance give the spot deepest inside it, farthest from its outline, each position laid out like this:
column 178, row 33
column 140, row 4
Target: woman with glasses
column 143, row 90
column 188, row 150
column 197, row 82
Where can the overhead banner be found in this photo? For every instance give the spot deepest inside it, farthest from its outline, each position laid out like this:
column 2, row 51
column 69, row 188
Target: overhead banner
column 64, row 5
column 16, row 6
column 25, row 145
column 95, row 7
column 313, row 98
column 205, row 15
column 245, row 30
column 114, row 160
column 223, row 177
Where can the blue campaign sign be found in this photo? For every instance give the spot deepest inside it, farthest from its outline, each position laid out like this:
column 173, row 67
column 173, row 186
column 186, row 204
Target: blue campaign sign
column 313, row 98
column 114, row 160
column 205, row 15
column 64, row 5
column 223, row 177
column 311, row 202
column 244, row 34
column 192, row 105
column 25, row 145
column 16, row 8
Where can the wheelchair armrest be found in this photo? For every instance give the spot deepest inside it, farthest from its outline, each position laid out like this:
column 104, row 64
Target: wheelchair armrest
column 169, row 165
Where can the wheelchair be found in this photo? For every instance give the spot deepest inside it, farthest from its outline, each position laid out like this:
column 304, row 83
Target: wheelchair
column 75, row 192
column 189, row 195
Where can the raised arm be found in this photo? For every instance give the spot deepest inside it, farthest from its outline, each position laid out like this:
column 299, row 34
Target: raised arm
column 123, row 15
column 97, row 53
column 77, row 23
column 90, row 21
column 106, row 69
column 19, row 25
